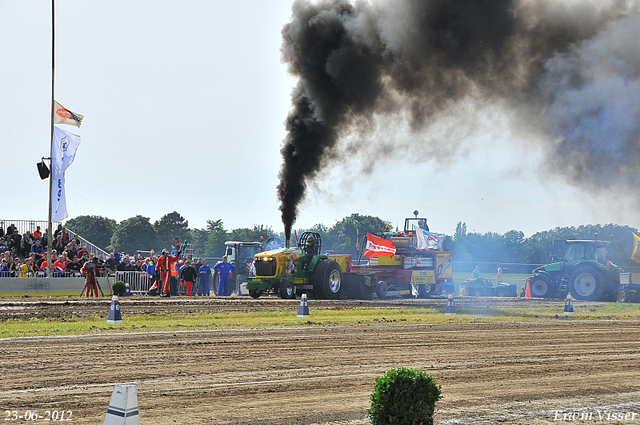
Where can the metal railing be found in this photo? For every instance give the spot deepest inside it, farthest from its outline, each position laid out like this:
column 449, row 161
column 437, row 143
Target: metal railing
column 30, row 225
column 41, row 273
column 27, row 225
column 91, row 247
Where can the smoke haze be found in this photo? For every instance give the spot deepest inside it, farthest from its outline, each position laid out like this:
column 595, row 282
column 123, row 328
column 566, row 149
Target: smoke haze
column 567, row 70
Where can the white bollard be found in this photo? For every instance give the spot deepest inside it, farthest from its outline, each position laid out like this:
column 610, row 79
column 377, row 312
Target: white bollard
column 451, row 306
column 123, row 407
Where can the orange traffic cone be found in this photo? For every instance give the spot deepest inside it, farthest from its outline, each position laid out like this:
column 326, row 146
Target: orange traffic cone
column 527, row 292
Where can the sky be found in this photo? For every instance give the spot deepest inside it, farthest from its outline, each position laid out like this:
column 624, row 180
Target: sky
column 184, row 108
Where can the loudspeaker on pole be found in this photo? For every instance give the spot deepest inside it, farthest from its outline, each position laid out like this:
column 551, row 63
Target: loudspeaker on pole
column 303, row 310
column 451, row 306
column 568, row 305
column 123, row 407
column 114, row 312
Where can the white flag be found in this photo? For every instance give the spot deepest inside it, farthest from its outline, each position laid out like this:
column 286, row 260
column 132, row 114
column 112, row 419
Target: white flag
column 426, row 240
column 63, row 151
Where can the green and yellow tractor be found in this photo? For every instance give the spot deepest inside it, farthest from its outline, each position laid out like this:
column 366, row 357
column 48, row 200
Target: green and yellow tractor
column 290, row 272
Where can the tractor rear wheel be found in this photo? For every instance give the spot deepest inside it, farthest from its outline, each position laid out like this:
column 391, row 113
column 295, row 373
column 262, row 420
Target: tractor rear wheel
column 327, row 279
column 287, row 289
column 585, row 284
column 541, row 286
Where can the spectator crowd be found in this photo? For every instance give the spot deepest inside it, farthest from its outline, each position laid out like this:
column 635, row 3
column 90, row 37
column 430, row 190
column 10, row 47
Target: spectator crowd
column 26, row 256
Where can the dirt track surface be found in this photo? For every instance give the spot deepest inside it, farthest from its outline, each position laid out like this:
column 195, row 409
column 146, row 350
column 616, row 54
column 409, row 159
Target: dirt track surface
column 510, row 373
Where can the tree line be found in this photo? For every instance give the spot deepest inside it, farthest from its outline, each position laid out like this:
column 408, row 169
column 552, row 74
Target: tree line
column 139, row 234
column 542, row 247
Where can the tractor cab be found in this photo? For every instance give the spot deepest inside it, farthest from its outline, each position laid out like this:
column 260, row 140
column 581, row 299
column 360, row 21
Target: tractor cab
column 578, row 251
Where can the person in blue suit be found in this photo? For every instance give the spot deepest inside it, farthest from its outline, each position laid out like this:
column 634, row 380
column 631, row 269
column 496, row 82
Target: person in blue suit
column 205, row 273
column 223, row 268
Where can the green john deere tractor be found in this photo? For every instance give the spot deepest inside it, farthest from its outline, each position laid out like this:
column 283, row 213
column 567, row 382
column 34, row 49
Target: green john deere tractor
column 585, row 271
column 291, row 271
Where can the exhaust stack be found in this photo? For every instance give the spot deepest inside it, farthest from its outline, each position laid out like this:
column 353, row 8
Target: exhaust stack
column 288, row 244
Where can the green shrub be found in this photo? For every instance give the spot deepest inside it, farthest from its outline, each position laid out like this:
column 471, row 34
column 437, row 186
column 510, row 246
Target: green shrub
column 404, row 396
column 118, row 288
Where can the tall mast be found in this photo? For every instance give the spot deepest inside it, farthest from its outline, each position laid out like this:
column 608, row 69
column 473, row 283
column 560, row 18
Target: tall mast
column 53, row 78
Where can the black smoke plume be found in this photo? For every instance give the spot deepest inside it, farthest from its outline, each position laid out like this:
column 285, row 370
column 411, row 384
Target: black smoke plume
column 570, row 68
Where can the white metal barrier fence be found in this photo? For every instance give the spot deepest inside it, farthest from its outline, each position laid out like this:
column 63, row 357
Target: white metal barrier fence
column 140, row 282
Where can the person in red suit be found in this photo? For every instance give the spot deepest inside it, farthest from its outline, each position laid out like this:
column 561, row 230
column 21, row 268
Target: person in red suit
column 164, row 267
column 91, row 286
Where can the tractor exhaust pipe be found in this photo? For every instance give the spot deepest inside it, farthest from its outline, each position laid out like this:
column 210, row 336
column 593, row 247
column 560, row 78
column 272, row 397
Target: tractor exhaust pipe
column 288, row 244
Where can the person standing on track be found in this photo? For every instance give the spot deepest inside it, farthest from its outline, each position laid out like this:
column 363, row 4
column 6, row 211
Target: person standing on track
column 224, row 269
column 164, row 267
column 205, row 274
column 188, row 274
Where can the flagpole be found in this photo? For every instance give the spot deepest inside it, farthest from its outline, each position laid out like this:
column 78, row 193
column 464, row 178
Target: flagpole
column 53, row 74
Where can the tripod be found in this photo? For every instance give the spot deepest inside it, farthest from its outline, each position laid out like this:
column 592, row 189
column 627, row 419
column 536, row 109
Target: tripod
column 91, row 284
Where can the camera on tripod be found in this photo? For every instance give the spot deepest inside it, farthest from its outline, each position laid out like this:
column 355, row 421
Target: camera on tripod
column 92, row 267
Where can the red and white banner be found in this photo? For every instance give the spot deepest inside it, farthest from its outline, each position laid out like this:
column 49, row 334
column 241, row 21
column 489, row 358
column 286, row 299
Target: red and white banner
column 377, row 246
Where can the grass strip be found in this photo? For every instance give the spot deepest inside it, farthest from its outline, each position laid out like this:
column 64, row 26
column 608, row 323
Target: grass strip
column 96, row 324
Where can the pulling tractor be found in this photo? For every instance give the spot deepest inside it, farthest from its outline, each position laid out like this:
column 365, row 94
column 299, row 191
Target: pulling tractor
column 288, row 272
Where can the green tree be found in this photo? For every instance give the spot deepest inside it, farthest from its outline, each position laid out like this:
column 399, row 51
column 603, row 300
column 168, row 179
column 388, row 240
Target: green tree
column 198, row 237
column 170, row 226
column 133, row 234
column 512, row 247
column 341, row 237
column 257, row 234
column 461, row 231
column 94, row 228
column 216, row 237
column 478, row 247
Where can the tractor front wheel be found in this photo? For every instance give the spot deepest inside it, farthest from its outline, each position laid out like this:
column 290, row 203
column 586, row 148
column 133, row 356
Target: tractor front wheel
column 287, row 289
column 425, row 291
column 541, row 286
column 622, row 296
column 381, row 289
column 255, row 293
